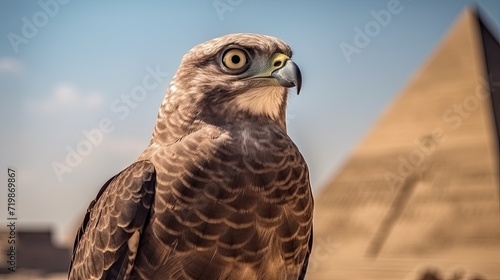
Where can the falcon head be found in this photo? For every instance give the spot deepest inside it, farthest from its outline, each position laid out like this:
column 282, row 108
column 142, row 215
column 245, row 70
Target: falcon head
column 236, row 76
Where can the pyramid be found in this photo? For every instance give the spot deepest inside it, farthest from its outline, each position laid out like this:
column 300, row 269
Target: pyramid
column 422, row 189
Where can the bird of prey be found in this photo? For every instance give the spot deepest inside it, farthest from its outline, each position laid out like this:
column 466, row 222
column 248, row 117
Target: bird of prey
column 221, row 192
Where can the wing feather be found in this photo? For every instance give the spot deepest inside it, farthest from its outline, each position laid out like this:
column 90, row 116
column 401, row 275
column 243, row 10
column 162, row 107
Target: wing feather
column 106, row 243
column 303, row 270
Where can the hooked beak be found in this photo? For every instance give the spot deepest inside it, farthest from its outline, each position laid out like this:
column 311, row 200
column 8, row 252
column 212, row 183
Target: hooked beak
column 280, row 69
column 289, row 75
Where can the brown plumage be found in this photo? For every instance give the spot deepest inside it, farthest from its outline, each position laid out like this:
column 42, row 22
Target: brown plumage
column 221, row 192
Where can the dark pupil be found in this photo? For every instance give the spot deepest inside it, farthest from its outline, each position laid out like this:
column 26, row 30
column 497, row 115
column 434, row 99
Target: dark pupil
column 235, row 59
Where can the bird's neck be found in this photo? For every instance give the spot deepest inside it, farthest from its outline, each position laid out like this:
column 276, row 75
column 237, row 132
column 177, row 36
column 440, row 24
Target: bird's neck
column 178, row 115
column 176, row 118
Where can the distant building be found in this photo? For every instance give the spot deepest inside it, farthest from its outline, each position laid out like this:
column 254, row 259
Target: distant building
column 420, row 194
column 34, row 251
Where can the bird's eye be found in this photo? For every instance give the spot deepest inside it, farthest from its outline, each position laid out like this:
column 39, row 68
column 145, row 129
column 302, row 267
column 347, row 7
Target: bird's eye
column 234, row 59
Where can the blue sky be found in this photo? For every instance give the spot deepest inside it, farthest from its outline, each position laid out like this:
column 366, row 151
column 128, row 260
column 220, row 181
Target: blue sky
column 68, row 69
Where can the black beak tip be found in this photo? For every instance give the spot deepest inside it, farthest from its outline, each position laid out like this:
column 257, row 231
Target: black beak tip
column 298, row 81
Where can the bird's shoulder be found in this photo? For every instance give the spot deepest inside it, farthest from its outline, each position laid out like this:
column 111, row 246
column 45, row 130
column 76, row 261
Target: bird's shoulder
column 260, row 139
column 251, row 140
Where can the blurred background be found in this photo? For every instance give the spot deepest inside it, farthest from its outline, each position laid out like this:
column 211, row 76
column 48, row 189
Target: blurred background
column 70, row 71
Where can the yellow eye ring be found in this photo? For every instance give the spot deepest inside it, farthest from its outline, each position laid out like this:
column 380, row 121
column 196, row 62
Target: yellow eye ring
column 234, row 59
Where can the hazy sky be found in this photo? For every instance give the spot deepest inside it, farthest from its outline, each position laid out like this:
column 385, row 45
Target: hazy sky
column 69, row 69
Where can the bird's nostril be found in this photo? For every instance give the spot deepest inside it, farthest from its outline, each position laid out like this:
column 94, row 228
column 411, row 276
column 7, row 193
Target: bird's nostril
column 277, row 64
